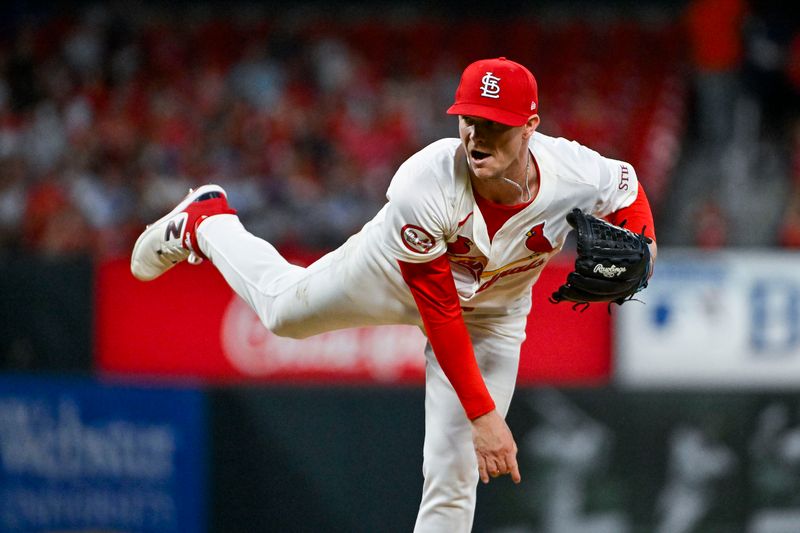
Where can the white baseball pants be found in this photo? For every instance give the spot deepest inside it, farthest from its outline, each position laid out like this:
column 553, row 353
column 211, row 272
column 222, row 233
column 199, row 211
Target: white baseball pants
column 356, row 285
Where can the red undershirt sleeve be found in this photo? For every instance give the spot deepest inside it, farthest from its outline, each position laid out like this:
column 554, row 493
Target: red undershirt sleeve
column 637, row 216
column 435, row 294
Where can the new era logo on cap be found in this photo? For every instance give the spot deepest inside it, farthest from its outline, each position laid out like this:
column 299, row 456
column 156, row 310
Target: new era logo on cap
column 496, row 89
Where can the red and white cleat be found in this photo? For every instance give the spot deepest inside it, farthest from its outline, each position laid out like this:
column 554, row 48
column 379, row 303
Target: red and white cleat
column 172, row 238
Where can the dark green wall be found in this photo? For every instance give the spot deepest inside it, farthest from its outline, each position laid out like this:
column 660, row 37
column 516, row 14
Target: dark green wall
column 321, row 459
column 46, row 313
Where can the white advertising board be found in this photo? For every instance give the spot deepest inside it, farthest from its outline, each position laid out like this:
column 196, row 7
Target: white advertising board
column 726, row 319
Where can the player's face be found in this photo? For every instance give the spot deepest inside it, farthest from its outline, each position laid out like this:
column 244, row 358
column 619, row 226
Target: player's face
column 493, row 149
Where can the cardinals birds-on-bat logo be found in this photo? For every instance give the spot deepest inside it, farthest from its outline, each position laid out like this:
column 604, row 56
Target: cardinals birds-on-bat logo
column 460, row 248
column 536, row 241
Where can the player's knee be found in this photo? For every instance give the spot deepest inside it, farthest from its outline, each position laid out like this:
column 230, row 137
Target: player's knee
column 285, row 327
column 450, row 488
column 455, row 471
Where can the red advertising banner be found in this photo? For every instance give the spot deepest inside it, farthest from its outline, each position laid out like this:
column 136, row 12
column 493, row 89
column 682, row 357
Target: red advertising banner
column 189, row 323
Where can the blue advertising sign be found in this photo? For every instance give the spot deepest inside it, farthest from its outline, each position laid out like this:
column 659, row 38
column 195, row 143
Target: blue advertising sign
column 78, row 454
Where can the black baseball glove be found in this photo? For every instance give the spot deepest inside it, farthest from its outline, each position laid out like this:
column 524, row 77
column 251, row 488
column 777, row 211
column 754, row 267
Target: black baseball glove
column 613, row 263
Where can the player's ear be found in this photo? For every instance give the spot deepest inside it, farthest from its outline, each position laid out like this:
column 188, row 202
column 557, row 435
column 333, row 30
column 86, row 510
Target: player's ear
column 531, row 125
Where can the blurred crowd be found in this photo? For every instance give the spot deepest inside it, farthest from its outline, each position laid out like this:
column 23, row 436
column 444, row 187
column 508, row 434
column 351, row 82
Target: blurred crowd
column 745, row 59
column 109, row 114
column 106, row 119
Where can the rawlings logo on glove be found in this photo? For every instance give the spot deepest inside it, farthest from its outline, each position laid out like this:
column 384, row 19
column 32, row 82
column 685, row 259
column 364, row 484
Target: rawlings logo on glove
column 612, row 265
column 609, row 272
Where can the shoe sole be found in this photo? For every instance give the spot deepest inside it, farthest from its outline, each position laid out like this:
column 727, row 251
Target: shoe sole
column 189, row 199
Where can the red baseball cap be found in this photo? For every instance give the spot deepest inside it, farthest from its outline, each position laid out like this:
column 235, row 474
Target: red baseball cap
column 497, row 89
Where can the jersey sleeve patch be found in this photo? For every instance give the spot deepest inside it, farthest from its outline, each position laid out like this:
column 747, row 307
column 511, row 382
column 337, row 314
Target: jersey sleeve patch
column 417, row 239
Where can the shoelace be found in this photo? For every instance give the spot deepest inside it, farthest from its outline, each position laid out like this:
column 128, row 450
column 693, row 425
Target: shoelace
column 177, row 254
column 173, row 254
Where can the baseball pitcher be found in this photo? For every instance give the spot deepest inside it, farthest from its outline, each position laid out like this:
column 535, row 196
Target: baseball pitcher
column 468, row 227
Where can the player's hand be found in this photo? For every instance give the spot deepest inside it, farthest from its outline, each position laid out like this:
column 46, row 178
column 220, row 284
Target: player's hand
column 495, row 447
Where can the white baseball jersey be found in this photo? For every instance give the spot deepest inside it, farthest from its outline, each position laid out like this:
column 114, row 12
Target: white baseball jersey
column 432, row 211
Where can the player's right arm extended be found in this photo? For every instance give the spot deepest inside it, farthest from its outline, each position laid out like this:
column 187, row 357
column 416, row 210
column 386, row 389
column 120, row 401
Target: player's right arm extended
column 434, row 292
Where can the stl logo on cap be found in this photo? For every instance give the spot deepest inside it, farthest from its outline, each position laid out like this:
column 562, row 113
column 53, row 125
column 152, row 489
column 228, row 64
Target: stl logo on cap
column 490, row 87
column 479, row 92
